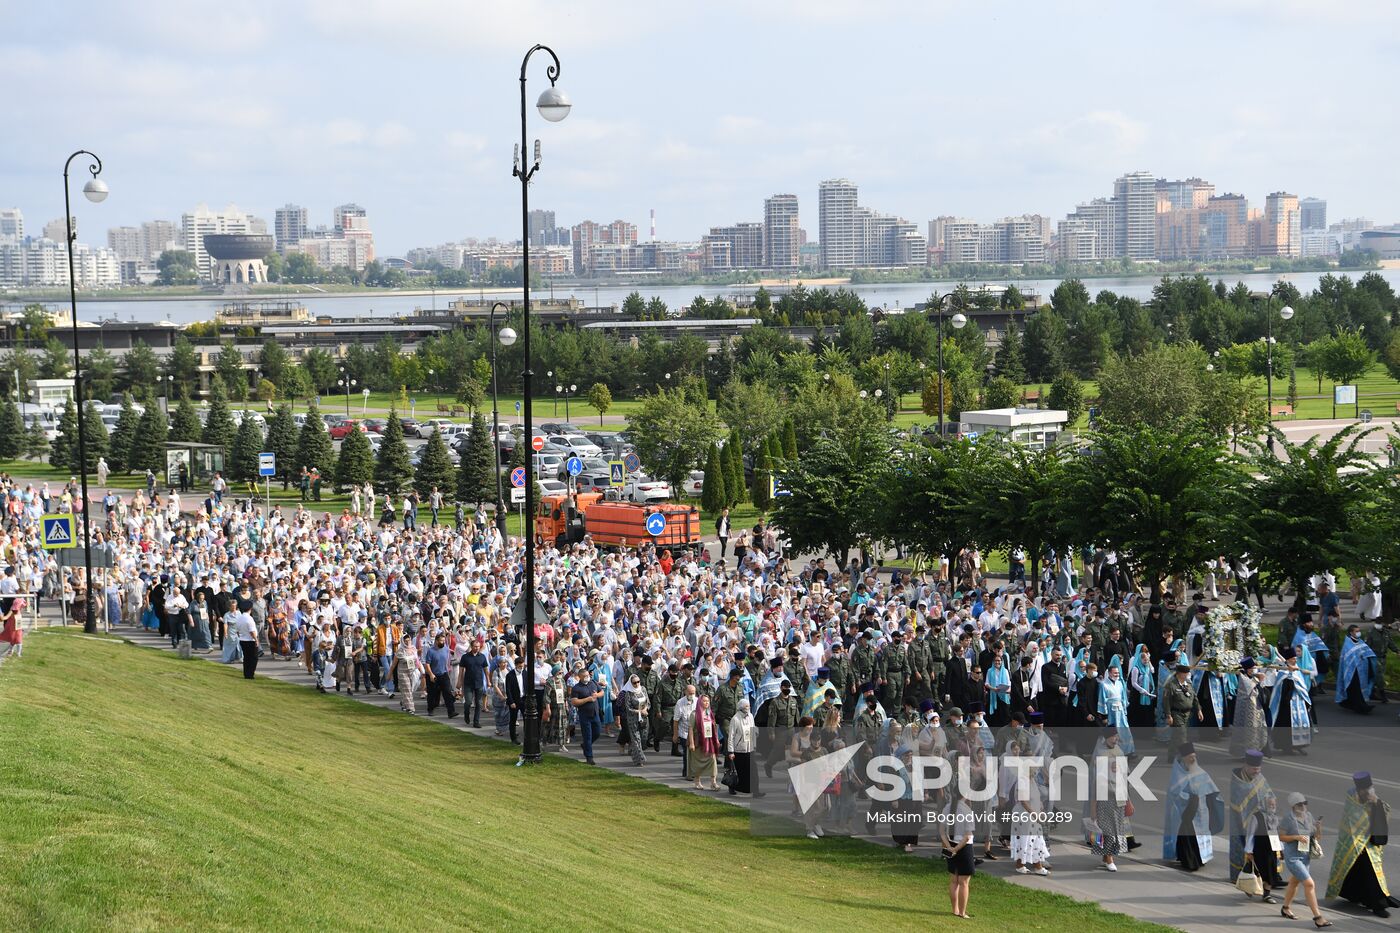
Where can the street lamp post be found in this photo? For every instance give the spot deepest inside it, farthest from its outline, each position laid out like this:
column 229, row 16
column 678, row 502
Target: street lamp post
column 95, row 191
column 554, row 106
column 507, row 338
column 1286, row 313
column 959, row 319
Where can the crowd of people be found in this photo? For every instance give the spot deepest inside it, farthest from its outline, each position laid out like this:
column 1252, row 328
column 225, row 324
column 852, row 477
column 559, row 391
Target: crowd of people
column 738, row 665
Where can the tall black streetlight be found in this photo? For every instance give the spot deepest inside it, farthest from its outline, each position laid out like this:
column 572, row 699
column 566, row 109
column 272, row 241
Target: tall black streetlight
column 347, row 383
column 95, row 191
column 554, row 106
column 507, row 338
column 567, row 390
column 1287, row 314
column 959, row 319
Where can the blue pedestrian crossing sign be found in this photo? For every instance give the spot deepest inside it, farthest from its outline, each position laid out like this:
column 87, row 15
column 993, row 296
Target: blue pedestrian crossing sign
column 617, row 472
column 517, row 408
column 656, row 524
column 267, row 464
column 574, row 465
column 517, row 477
column 633, row 463
column 58, row 531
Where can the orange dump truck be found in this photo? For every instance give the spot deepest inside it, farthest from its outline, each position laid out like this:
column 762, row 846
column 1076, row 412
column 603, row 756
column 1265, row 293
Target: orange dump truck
column 566, row 519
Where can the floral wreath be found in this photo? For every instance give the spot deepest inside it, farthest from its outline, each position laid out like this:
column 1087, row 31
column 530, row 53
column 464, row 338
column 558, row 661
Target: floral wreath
column 1232, row 634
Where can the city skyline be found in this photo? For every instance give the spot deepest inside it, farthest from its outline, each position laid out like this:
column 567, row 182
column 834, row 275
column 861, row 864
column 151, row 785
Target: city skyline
column 192, row 104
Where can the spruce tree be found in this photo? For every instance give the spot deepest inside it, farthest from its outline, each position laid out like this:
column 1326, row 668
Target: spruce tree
column 355, row 466
column 11, row 430
column 475, row 481
column 119, row 448
column 63, row 453
column 282, row 441
column 434, row 468
column 314, row 447
column 95, row 443
column 763, row 469
column 790, row 440
column 1293, row 389
column 243, row 455
column 1010, row 357
column 36, row 443
column 733, row 457
column 185, row 425
column 713, row 495
column 218, row 426
column 148, row 446
column 393, row 471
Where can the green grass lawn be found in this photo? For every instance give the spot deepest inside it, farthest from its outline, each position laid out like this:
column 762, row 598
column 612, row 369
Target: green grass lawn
column 145, row 792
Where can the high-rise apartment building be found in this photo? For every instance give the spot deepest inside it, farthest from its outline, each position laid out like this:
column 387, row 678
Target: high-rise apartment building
column 289, row 224
column 201, row 222
column 11, row 225
column 781, row 233
column 836, row 223
column 1313, row 214
column 1281, row 227
column 1186, row 194
column 1136, row 197
column 1093, row 226
column 345, row 211
column 157, row 236
column 545, row 232
column 126, row 242
column 57, row 231
column 735, row 247
column 588, row 237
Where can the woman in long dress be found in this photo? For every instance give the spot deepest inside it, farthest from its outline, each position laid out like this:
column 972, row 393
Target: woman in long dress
column 703, row 744
column 1111, row 830
column 200, row 614
column 602, row 669
column 1194, row 809
column 637, row 708
column 1142, row 689
column 1113, row 705
column 1251, row 729
column 12, row 629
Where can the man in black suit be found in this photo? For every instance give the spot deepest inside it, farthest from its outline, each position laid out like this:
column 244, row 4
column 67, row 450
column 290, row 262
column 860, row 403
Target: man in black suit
column 1023, row 699
column 1054, row 688
column 514, row 694
column 958, row 673
column 1115, row 645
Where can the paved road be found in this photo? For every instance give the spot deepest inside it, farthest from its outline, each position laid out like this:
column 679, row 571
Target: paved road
column 1145, row 887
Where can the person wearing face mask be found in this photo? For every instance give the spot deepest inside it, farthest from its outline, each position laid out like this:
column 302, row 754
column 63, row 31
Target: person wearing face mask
column 636, row 708
column 1357, row 872
column 1357, row 671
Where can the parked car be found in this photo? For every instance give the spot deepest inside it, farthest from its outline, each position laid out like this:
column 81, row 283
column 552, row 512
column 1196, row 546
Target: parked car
column 694, row 483
column 339, row 432
column 576, row 444
column 410, row 426
column 547, row 464
column 374, row 425
column 376, row 441
column 427, row 428
column 557, row 427
column 642, row 488
column 552, row 487
column 610, row 444
column 594, row 481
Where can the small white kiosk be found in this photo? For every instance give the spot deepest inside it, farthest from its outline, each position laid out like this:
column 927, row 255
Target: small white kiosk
column 1037, row 428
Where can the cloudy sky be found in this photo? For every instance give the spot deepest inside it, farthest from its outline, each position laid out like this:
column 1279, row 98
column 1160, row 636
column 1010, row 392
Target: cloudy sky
column 699, row 110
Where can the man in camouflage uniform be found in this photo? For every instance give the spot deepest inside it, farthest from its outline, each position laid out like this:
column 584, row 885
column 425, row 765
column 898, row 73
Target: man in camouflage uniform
column 839, row 673
column 704, row 687
column 783, row 712
column 863, row 659
column 1183, row 707
column 668, row 694
column 892, row 670
column 651, row 683
column 940, row 650
column 727, row 697
column 920, row 666
column 795, row 672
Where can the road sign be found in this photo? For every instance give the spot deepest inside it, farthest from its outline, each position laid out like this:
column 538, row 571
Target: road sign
column 971, row 437
column 58, row 531
column 517, row 408
column 1344, row 395
column 517, row 496
column 267, row 464
column 632, row 462
column 656, row 524
column 1366, row 416
column 617, row 471
column 517, row 477
column 101, row 557
column 537, row 442
column 776, row 488
column 574, row 465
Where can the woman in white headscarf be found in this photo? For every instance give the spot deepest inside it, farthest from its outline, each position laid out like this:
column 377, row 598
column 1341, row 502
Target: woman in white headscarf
column 740, row 742
column 636, row 707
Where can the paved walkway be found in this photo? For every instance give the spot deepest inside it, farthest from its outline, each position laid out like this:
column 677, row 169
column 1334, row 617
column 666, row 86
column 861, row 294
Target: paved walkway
column 1144, row 887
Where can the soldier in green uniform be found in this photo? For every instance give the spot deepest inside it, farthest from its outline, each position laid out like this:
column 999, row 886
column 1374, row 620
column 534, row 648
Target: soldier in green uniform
column 870, row 724
column 920, row 666
column 940, row 650
column 668, row 694
column 795, row 672
column 839, row 673
column 891, row 669
column 1098, row 628
column 863, row 658
column 754, row 664
column 706, row 687
column 651, row 683
column 727, row 697
column 1182, row 706
column 783, row 713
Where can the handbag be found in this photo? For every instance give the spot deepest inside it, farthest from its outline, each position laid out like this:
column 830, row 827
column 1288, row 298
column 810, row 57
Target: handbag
column 731, row 776
column 1315, row 848
column 1249, row 882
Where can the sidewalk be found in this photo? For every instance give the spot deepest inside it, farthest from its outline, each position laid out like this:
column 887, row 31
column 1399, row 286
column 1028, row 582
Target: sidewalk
column 1145, row 888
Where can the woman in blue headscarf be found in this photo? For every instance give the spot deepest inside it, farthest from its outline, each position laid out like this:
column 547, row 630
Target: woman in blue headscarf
column 1142, row 689
column 1113, row 704
column 998, row 692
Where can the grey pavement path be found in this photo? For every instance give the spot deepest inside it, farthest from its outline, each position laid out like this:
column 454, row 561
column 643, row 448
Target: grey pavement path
column 1144, row 888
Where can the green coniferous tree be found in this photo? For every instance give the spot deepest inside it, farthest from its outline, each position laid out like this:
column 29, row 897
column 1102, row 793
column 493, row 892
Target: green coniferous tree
column 218, row 426
column 314, row 447
column 790, row 440
column 243, row 453
column 11, row 430
column 733, row 457
column 36, row 443
column 119, row 448
column 63, row 451
column 475, row 481
column 282, row 441
column 355, row 466
column 185, row 425
column 393, row 471
column 763, row 469
column 713, row 494
column 95, row 442
column 148, row 446
column 435, row 469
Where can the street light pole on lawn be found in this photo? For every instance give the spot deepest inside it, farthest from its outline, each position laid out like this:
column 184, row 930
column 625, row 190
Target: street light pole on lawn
column 959, row 320
column 1286, row 313
column 96, row 191
column 507, row 338
column 554, row 106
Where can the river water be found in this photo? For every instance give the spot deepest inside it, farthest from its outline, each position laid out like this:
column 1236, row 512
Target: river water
column 186, row 310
